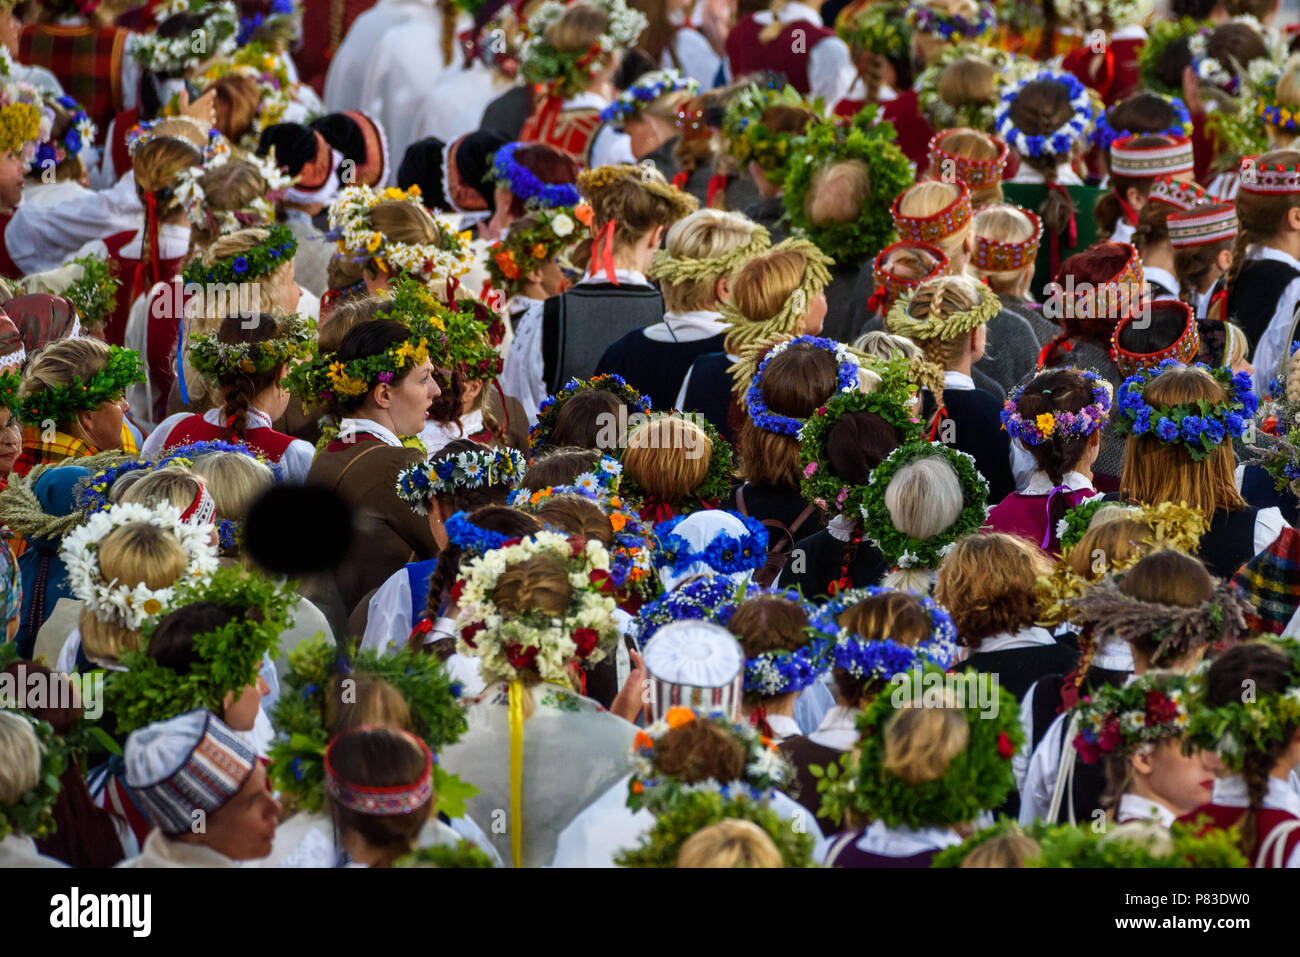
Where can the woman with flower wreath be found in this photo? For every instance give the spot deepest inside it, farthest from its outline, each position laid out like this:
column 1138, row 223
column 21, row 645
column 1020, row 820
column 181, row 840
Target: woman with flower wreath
column 526, row 265
column 246, row 364
column 380, row 383
column 1180, row 421
column 1058, row 418
column 1137, row 731
column 840, row 445
column 938, row 25
column 1258, row 741
column 675, row 464
column 1170, row 611
column 78, row 386
column 535, row 612
column 761, row 127
column 60, row 169
column 919, row 774
column 573, row 53
column 586, row 414
column 632, row 210
column 818, row 67
column 687, row 752
column 948, row 318
column 461, row 478
column 881, row 633
column 694, row 269
column 647, row 112
column 530, row 178
column 777, row 293
column 1046, row 118
column 32, row 759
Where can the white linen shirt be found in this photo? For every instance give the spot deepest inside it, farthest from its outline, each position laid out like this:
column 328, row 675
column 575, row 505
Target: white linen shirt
column 830, row 66
column 1274, row 344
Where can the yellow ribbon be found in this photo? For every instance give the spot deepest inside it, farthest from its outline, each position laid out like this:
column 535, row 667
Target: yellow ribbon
column 516, row 772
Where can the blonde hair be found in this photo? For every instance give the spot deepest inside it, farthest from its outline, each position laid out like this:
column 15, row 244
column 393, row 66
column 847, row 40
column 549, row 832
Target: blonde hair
column 577, row 29
column 929, row 197
column 837, row 192
column 20, row 757
column 967, row 81
column 920, row 743
column 59, row 362
column 655, row 457
column 923, row 499
column 273, row 289
column 1155, row 472
column 704, row 234
column 934, row 301
column 729, row 843
column 399, row 221
column 235, row 480
column 1005, row 850
column 132, row 554
column 968, row 144
column 172, row 485
column 157, row 164
column 229, row 187
column 1003, row 223
column 1287, row 93
column 878, row 344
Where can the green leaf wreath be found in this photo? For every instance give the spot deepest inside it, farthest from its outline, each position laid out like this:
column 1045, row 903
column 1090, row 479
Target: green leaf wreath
column 61, row 404
column 892, row 402
column 10, row 381
column 1160, row 35
column 262, row 260
column 749, row 139
column 693, row 811
column 33, row 813
column 980, row 115
column 717, row 480
column 900, row 549
column 298, row 768
column 1076, row 521
column 470, row 330
column 889, row 173
column 228, row 659
column 881, row 28
column 463, row 854
column 215, row 359
column 94, row 295
column 977, row 779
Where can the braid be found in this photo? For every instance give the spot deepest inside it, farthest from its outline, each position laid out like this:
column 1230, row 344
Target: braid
column 1254, row 770
column 236, row 396
column 1244, row 239
column 873, row 75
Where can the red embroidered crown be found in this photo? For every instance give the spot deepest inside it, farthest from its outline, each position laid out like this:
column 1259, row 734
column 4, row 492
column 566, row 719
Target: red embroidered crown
column 1213, row 223
column 976, row 174
column 996, row 255
column 1177, row 193
column 1268, row 178
column 1183, row 349
column 889, row 287
column 1143, row 162
column 381, row 801
column 1111, row 300
column 928, row 229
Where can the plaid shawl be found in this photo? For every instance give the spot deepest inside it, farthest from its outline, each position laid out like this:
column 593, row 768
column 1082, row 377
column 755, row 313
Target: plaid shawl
column 86, row 60
column 64, row 446
column 1271, row 584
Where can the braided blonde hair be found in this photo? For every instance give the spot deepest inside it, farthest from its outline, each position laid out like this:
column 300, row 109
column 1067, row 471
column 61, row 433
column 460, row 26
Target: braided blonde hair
column 939, row 313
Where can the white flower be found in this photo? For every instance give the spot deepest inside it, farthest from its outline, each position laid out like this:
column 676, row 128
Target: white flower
column 561, row 225
column 908, row 559
column 1133, row 721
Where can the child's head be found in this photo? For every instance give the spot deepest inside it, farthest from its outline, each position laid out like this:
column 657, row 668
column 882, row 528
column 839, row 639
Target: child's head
column 971, row 157
column 927, row 317
column 921, row 743
column 768, row 623
column 729, row 843
column 668, row 456
column 1006, row 246
column 987, row 584
column 896, row 616
column 778, row 292
column 1135, row 162
column 1054, row 392
column 924, row 498
column 360, row 761
column 706, row 234
column 1203, row 239
column 937, row 213
column 794, row 384
column 1089, row 295
column 1167, row 577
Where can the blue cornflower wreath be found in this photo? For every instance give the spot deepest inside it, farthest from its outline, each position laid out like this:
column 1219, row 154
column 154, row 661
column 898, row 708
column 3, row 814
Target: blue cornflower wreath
column 1061, row 140
column 846, row 381
column 926, row 19
column 710, row 599
column 1201, row 426
column 472, row 539
column 1104, row 134
column 645, row 91
column 725, row 554
column 523, row 184
column 782, row 671
column 883, row 658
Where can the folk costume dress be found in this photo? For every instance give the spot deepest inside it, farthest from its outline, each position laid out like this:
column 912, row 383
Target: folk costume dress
column 829, row 555
column 1026, row 513
column 523, row 372
column 364, row 471
column 1277, row 823
column 654, row 360
column 574, row 751
column 184, row 428
column 574, row 127
column 837, row 733
column 1021, row 658
column 1263, row 303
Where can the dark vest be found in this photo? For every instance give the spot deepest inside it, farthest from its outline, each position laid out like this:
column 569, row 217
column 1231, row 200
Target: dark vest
column 655, row 369
column 709, row 393
column 1230, row 542
column 817, row 561
column 1018, row 668
column 803, row 754
column 578, row 326
column 977, row 431
column 1252, row 299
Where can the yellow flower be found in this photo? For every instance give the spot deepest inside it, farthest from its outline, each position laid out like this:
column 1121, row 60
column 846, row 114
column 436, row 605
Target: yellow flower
column 1046, row 424
column 392, row 193
column 374, row 242
column 152, row 606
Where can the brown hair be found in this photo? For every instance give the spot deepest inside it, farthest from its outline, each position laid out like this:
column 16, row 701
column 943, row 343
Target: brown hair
column 1108, row 209
column 156, row 166
column 794, row 383
column 1052, row 392
column 895, row 615
column 634, row 210
column 761, row 286
column 968, row 81
column 380, row 757
column 575, row 515
column 558, row 467
column 1039, row 109
column 539, row 583
column 346, row 316
column 768, row 623
column 1155, row 472
column 699, row 751
column 1152, row 227
column 656, row 457
column 1193, row 265
column 548, row 164
column 987, row 584
column 238, row 389
column 583, row 418
column 1100, row 263
column 1166, row 577
column 237, row 100
column 372, row 701
column 1261, row 217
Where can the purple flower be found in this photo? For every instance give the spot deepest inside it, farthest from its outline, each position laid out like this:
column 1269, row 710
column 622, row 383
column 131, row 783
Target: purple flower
column 1166, row 431
column 385, row 377
column 240, row 264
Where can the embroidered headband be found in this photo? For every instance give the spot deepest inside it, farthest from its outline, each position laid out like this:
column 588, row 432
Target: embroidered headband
column 890, row 286
column 1004, row 255
column 1183, row 349
column 976, row 174
column 377, row 801
column 1111, row 299
column 1268, row 179
column 1142, row 162
column 940, row 225
column 1177, row 193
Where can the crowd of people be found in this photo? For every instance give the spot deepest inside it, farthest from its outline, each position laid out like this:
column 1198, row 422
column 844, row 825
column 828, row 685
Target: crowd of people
column 644, row 433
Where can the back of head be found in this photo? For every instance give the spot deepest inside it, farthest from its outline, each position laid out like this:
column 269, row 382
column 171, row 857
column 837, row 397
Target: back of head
column 171, row 485
column 1040, row 109
column 235, row 481
column 924, row 497
column 172, row 643
column 58, row 363
column 668, row 456
column 928, row 198
column 1005, row 850
column 1168, row 577
column 380, row 757
column 156, row 166
column 794, row 383
column 837, row 192
column 987, row 583
column 536, row 584
column 729, row 843
column 761, row 286
column 857, row 443
column 548, row 164
column 1119, row 542
column 136, row 553
column 559, row 466
column 1142, row 112
column 894, row 615
column 704, row 234
column 769, row 623
column 232, row 186
column 20, row 757
column 699, row 751
column 403, row 222
column 237, row 98
column 967, row 81
column 346, row 316
column 374, row 701
column 588, row 420
column 575, row 515
column 239, row 389
column 633, row 208
column 921, row 743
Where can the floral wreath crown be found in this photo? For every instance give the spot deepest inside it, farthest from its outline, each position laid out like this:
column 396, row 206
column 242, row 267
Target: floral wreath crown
column 521, row 250
column 1123, row 720
column 867, row 140
column 766, row 770
column 124, row 605
column 901, row 322
column 24, row 123
column 419, row 483
column 892, row 402
column 470, row 330
column 62, row 403
column 782, row 670
column 449, row 256
column 174, row 54
column 473, row 539
column 1067, row 425
column 880, row 28
column 227, row 659
column 645, row 91
column 1105, row 15
column 848, row 365
column 567, row 72
column 523, row 184
column 712, row 598
column 1234, row 728
column 214, row 359
column 1104, row 134
column 880, row 659
column 725, row 554
column 216, row 149
column 978, row 115
column 32, row 815
column 926, row 19
column 330, row 379
column 1200, row 427
column 79, row 136
column 1061, row 140
column 508, row 645
column 539, row 438
column 747, row 136
column 258, row 212
column 266, row 257
column 977, row 779
column 900, row 549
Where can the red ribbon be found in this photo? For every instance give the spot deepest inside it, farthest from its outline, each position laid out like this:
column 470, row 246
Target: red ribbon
column 878, row 301
column 151, row 232
column 717, row 183
column 940, row 414
column 603, row 258
column 1217, row 301
column 759, row 720
column 452, row 285
column 654, row 510
column 679, row 180
column 1130, row 213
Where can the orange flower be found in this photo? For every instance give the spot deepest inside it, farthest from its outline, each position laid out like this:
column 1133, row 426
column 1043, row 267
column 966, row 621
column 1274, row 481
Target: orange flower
column 617, row 521
column 637, row 787
column 643, row 740
column 584, row 214
column 676, row 717
column 506, row 260
column 539, row 250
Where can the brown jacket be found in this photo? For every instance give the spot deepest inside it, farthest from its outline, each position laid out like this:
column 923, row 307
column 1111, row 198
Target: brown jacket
column 389, row 534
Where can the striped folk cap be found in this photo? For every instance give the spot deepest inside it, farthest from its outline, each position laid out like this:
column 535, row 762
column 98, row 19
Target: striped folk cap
column 1268, row 179
column 1205, row 224
column 694, row 664
column 1144, row 162
column 189, row 763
